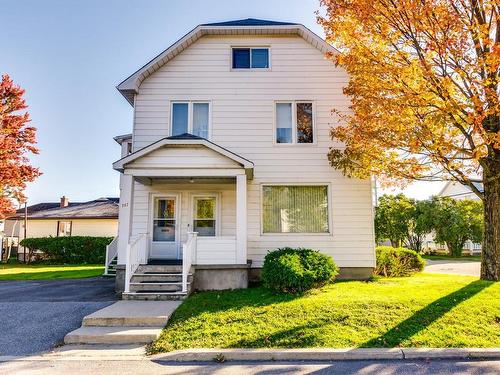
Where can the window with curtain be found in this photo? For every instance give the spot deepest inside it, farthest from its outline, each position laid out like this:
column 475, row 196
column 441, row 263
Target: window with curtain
column 295, row 209
column 284, row 122
column 200, row 119
column 294, row 122
column 191, row 117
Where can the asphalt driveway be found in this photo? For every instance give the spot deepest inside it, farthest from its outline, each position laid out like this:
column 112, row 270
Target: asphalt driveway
column 454, row 267
column 35, row 315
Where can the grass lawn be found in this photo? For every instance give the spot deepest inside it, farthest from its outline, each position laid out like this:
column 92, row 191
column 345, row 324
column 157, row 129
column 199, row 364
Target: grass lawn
column 426, row 310
column 472, row 258
column 20, row 271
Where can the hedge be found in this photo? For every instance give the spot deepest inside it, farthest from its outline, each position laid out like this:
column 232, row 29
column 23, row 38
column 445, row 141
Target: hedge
column 77, row 249
column 397, row 262
column 296, row 270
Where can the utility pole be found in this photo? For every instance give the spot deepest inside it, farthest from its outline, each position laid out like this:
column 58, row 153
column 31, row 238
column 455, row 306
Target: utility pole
column 25, row 226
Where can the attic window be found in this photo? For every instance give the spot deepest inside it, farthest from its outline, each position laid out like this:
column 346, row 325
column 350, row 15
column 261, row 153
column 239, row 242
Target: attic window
column 250, row 58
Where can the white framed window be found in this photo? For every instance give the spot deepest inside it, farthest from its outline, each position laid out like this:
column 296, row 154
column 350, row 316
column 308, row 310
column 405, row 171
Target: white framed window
column 289, row 208
column 205, row 215
column 191, row 117
column 250, row 58
column 294, row 122
column 64, row 228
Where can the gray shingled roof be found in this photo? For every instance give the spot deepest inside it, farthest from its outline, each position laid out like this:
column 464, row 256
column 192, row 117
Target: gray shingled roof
column 249, row 22
column 102, row 208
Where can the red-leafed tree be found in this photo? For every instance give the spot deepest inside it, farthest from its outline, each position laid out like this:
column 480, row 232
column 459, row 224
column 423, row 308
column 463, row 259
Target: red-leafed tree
column 16, row 141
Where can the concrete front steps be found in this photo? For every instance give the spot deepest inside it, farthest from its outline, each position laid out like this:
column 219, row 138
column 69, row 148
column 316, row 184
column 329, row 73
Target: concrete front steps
column 157, row 283
column 124, row 322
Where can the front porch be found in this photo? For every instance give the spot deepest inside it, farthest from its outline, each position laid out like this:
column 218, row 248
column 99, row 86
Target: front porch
column 183, row 202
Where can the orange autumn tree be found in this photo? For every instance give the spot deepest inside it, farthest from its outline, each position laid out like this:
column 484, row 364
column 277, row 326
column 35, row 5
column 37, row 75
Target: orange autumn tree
column 424, row 88
column 16, row 140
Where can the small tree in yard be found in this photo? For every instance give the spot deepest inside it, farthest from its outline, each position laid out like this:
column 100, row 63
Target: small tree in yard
column 420, row 224
column 424, row 83
column 16, row 140
column 392, row 216
column 403, row 221
column 457, row 221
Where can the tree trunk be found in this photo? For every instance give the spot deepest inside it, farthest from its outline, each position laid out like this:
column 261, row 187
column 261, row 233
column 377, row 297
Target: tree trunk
column 490, row 259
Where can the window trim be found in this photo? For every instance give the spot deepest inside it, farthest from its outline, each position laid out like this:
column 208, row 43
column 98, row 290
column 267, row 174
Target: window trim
column 218, row 214
column 329, row 208
column 70, row 227
column 190, row 104
column 250, row 69
column 294, row 123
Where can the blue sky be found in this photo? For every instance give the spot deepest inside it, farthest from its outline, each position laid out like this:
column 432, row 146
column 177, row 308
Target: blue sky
column 70, row 55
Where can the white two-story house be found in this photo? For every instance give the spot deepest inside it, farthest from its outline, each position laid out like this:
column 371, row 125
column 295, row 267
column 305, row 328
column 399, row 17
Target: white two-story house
column 227, row 160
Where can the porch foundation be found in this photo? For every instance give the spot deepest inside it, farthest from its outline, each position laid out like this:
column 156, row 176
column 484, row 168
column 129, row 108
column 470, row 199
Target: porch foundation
column 346, row 273
column 221, row 277
column 120, row 279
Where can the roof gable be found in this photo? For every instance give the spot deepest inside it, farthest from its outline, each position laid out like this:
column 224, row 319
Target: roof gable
column 250, row 26
column 218, row 156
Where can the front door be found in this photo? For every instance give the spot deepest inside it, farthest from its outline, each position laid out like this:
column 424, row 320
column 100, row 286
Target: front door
column 165, row 239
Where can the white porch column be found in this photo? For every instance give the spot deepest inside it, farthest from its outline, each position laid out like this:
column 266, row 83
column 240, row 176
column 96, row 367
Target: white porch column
column 241, row 219
column 125, row 216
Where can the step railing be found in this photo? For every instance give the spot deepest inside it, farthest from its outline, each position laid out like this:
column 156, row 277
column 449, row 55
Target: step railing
column 136, row 253
column 111, row 252
column 188, row 252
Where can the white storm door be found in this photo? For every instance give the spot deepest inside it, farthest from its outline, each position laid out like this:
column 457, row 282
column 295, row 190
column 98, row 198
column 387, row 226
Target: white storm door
column 165, row 238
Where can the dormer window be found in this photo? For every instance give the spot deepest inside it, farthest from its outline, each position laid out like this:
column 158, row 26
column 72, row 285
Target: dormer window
column 250, row 58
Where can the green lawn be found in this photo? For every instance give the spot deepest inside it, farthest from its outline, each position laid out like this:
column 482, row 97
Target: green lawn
column 20, row 271
column 472, row 258
column 426, row 310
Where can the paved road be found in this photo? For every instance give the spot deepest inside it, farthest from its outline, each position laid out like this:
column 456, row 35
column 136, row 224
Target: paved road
column 75, row 367
column 36, row 315
column 454, row 267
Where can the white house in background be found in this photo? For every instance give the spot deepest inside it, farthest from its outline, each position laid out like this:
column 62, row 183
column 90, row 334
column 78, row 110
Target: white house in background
column 458, row 191
column 227, row 160
column 455, row 190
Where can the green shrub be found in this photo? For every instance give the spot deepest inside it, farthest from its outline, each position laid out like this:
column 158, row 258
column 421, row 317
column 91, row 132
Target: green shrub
column 73, row 250
column 396, row 262
column 296, row 270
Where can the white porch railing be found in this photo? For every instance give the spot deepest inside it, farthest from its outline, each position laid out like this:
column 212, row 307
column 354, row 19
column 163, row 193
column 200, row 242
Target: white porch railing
column 111, row 251
column 136, row 254
column 188, row 251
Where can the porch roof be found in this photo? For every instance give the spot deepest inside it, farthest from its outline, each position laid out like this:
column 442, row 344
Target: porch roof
column 228, row 160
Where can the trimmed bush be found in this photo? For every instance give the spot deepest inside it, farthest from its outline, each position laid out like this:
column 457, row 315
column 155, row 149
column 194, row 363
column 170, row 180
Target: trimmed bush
column 296, row 270
column 70, row 250
column 397, row 262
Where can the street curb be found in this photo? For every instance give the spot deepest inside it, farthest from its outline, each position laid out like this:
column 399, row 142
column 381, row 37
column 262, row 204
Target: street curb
column 324, row 354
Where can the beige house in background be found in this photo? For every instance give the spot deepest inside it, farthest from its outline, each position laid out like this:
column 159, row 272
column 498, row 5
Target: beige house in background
column 227, row 160
column 97, row 218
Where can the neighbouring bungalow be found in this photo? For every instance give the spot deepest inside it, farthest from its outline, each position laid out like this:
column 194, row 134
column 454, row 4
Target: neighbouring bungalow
column 97, row 218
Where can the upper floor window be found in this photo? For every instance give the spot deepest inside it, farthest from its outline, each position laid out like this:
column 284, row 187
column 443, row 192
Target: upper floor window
column 191, row 117
column 294, row 122
column 250, row 58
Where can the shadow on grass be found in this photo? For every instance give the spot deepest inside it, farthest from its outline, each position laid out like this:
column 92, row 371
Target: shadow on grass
column 426, row 316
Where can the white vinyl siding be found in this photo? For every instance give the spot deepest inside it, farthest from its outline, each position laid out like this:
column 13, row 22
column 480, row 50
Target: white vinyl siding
column 242, row 106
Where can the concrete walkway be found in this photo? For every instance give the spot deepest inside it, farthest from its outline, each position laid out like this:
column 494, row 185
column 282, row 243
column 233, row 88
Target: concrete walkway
column 124, row 322
column 454, row 267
